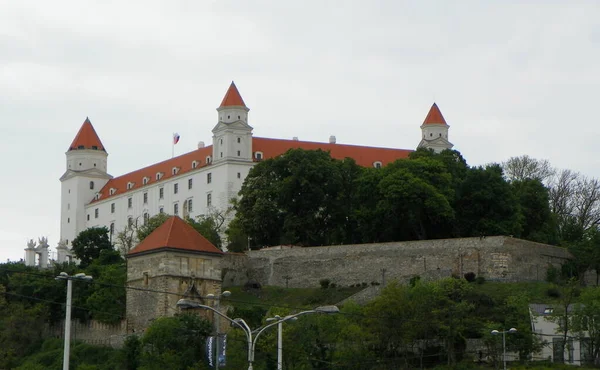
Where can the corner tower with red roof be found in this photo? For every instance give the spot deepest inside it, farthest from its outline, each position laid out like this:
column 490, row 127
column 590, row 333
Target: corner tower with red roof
column 85, row 175
column 176, row 260
column 435, row 131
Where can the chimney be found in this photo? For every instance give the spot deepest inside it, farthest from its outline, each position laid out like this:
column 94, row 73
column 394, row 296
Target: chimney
column 200, row 144
column 332, row 139
column 295, row 138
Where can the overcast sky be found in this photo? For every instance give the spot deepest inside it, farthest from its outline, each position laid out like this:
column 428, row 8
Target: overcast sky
column 510, row 77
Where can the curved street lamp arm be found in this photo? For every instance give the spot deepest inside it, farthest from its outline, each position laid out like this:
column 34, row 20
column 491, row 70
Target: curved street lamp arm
column 275, row 323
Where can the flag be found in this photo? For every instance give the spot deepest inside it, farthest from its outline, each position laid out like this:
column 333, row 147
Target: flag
column 175, row 138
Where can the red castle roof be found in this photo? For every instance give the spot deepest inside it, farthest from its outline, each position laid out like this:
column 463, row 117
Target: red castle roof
column 87, row 138
column 434, row 116
column 175, row 233
column 232, row 97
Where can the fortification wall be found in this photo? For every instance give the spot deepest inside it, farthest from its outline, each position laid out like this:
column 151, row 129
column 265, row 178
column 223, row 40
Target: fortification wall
column 92, row 332
column 498, row 258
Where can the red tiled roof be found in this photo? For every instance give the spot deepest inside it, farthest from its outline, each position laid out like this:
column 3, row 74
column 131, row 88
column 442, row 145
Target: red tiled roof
column 175, row 233
column 87, row 138
column 434, row 116
column 363, row 155
column 232, row 97
column 136, row 178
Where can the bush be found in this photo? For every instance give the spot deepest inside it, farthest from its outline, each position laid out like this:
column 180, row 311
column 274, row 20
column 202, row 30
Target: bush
column 324, row 283
column 552, row 274
column 480, row 280
column 332, row 285
column 414, row 280
column 470, row 277
column 553, row 292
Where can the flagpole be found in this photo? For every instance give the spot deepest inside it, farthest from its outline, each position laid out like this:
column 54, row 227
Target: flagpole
column 173, row 146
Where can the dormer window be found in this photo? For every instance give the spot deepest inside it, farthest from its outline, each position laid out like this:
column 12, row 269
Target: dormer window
column 159, row 175
column 94, row 147
column 194, row 164
column 175, row 170
column 145, row 180
column 258, row 156
column 112, row 191
column 80, row 147
column 208, row 159
column 130, row 185
column 97, row 196
column 377, row 164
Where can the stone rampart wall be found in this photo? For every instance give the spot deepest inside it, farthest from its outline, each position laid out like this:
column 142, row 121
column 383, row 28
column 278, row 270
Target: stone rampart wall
column 92, row 332
column 497, row 258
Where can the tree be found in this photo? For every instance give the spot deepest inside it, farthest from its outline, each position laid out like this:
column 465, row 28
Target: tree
column 527, row 168
column 562, row 313
column 297, row 198
column 586, row 322
column 142, row 231
column 89, row 243
column 175, row 342
column 486, row 204
column 537, row 222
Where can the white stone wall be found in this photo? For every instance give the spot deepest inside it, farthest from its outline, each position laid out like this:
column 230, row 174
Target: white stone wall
column 431, row 131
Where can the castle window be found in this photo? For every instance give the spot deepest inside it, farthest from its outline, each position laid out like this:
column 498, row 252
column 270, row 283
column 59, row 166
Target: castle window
column 68, row 220
column 239, row 153
column 80, row 147
column 228, row 117
column 440, row 135
column 377, row 164
column 96, row 212
column 430, row 134
column 258, row 156
column 208, row 159
column 129, row 185
column 159, row 175
column 146, row 279
column 239, row 139
column 194, row 164
column 112, row 208
column 161, row 210
column 239, row 175
column 130, row 202
column 239, row 117
column 208, row 199
column 88, row 217
column 221, row 140
column 175, row 188
column 112, row 228
column 94, row 147
column 145, row 198
column 145, row 180
column 94, row 164
column 91, row 185
column 129, row 221
column 208, row 178
column 190, row 183
column 175, row 170
column 161, row 193
column 176, row 209
column 146, row 218
column 221, row 154
column 68, row 205
column 189, row 205
column 112, row 191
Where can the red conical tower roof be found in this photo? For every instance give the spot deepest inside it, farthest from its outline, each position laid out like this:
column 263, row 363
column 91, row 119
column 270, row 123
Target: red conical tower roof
column 175, row 233
column 87, row 138
column 232, row 97
column 434, row 116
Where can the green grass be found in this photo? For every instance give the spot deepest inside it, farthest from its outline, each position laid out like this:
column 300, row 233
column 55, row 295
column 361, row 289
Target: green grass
column 292, row 297
column 537, row 292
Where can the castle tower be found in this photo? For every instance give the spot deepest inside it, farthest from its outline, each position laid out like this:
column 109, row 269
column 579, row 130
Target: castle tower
column 85, row 175
column 232, row 136
column 174, row 258
column 435, row 131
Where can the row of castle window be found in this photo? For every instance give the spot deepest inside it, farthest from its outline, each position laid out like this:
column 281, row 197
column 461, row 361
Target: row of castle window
column 188, row 204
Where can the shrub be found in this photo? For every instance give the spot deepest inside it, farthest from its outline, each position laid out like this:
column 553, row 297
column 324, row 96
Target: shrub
column 470, row 277
column 414, row 280
column 553, row 292
column 552, row 274
column 324, row 283
column 480, row 280
column 332, row 285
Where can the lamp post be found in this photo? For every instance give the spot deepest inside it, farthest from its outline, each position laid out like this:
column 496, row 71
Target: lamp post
column 185, row 303
column 69, row 279
column 225, row 294
column 278, row 320
column 509, row 331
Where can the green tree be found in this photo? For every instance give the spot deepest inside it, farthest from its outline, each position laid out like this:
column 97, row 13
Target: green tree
column 208, row 226
column 486, row 204
column 537, row 221
column 149, row 226
column 175, row 342
column 586, row 322
column 89, row 243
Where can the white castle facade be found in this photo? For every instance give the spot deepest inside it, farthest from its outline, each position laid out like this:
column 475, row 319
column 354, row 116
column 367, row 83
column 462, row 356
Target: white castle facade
column 192, row 184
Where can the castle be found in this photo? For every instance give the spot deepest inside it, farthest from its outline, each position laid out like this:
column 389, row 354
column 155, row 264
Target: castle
column 194, row 183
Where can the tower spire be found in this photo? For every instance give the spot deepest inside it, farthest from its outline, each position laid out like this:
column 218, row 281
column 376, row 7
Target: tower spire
column 232, row 97
column 87, row 138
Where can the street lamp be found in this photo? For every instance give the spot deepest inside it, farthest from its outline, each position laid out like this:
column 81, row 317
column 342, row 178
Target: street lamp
column 225, row 294
column 185, row 303
column 509, row 331
column 69, row 279
column 279, row 320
